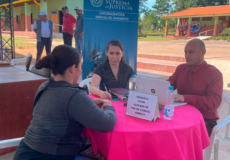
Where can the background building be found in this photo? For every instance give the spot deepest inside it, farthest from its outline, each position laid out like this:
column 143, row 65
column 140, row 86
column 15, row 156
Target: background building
column 25, row 12
column 201, row 20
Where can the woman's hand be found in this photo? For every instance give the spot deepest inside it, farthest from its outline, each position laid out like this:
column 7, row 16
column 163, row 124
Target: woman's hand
column 105, row 95
column 106, row 104
column 99, row 102
column 102, row 103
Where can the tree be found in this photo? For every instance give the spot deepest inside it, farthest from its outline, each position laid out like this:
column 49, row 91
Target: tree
column 150, row 20
column 142, row 7
column 5, row 1
column 185, row 4
column 161, row 7
column 142, row 10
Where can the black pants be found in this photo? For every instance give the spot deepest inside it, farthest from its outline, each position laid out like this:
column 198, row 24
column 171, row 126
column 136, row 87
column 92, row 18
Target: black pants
column 210, row 124
column 40, row 46
column 67, row 38
column 26, row 153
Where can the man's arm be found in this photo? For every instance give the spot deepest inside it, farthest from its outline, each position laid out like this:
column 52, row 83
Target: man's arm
column 81, row 24
column 213, row 98
column 35, row 27
column 74, row 20
column 80, row 35
column 53, row 28
column 173, row 79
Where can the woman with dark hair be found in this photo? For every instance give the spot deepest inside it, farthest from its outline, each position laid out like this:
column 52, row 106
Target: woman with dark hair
column 114, row 72
column 61, row 111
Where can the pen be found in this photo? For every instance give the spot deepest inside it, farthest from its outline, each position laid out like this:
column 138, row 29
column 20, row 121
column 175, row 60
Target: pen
column 105, row 87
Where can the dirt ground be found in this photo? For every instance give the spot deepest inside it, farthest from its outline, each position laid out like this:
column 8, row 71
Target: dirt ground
column 215, row 49
column 218, row 52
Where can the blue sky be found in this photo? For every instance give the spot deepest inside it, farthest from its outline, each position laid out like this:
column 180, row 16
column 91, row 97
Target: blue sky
column 150, row 3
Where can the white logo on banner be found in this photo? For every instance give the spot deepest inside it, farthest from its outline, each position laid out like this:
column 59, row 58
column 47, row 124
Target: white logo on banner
column 96, row 3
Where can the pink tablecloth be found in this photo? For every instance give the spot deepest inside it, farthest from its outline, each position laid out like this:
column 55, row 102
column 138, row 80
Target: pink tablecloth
column 182, row 138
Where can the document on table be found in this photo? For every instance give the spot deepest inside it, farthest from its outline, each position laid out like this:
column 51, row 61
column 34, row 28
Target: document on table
column 177, row 104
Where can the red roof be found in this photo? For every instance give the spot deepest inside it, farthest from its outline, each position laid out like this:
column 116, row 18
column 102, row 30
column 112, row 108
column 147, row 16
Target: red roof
column 202, row 11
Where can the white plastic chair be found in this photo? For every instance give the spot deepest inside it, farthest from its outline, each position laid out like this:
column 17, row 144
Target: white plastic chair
column 44, row 72
column 215, row 142
column 85, row 82
column 27, row 60
column 10, row 143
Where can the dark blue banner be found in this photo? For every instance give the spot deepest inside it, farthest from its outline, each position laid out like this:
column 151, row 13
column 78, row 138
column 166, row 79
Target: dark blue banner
column 105, row 20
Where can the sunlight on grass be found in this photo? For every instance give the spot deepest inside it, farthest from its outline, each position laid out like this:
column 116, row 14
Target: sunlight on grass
column 154, row 38
column 24, row 42
column 21, row 42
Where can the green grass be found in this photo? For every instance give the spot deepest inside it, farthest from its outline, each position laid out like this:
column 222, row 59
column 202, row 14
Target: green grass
column 21, row 42
column 24, row 42
column 158, row 33
column 156, row 36
column 57, row 39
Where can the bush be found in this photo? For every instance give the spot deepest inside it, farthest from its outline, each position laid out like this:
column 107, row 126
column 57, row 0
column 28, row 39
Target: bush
column 149, row 31
column 225, row 32
column 224, row 38
column 228, row 38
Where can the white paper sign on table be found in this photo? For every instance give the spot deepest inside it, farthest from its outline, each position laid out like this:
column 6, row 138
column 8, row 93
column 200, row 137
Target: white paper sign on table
column 143, row 105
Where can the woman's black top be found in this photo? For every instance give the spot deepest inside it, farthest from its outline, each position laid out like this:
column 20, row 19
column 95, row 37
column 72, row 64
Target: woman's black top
column 105, row 72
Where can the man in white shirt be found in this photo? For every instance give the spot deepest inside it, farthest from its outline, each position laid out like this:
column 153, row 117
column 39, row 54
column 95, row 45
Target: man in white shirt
column 43, row 27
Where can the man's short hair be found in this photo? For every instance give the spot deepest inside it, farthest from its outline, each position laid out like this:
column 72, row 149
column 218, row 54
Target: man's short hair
column 64, row 7
column 199, row 41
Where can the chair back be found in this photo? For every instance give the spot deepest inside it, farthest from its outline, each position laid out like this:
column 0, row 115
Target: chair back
column 10, row 143
column 207, row 151
column 28, row 61
column 20, row 60
column 41, row 72
column 86, row 84
column 225, row 99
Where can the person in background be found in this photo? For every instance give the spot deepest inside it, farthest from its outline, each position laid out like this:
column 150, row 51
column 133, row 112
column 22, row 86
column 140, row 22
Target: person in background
column 43, row 27
column 198, row 83
column 78, row 35
column 61, row 112
column 114, row 72
column 220, row 29
column 68, row 26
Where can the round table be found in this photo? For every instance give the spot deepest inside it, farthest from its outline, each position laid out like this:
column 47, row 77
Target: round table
column 182, row 138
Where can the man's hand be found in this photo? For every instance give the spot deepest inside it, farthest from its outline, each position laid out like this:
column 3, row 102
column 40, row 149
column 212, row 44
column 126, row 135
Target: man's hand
column 179, row 98
column 80, row 35
column 72, row 31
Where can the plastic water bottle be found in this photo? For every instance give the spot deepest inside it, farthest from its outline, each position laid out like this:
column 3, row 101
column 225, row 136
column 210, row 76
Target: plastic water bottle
column 132, row 83
column 169, row 107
